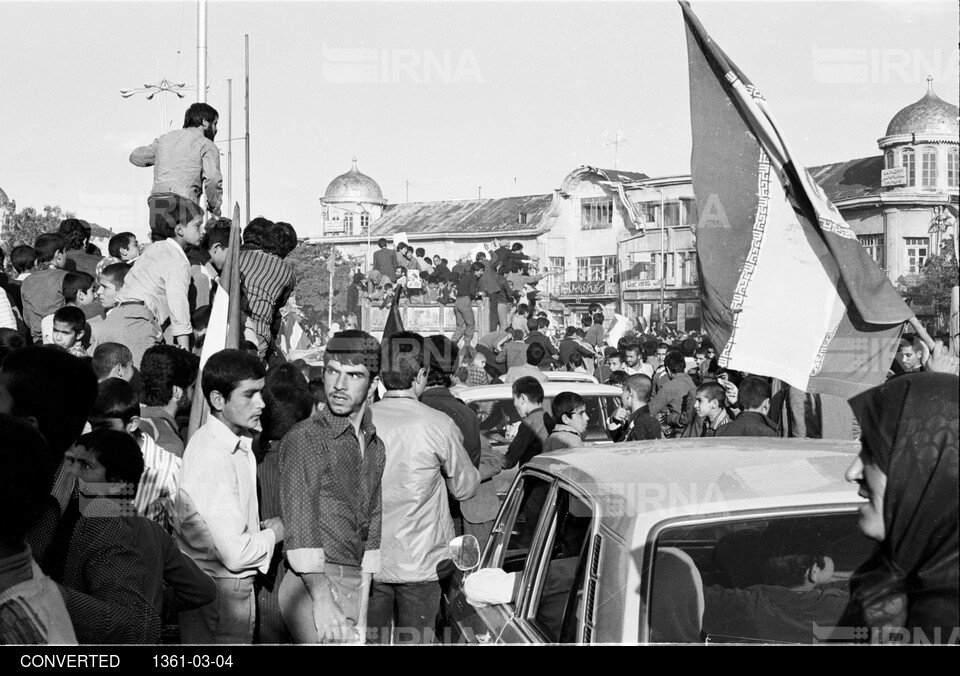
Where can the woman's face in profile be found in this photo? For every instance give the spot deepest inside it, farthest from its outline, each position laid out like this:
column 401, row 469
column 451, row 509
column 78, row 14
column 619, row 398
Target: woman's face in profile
column 873, row 485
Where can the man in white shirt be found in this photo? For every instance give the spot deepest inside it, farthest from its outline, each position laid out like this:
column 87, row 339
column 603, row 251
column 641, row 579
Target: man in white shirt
column 217, row 522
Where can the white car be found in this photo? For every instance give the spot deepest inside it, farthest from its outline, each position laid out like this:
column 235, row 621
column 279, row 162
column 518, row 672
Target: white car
column 674, row 541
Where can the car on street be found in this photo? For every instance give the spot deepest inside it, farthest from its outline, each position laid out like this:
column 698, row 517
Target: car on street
column 673, row 541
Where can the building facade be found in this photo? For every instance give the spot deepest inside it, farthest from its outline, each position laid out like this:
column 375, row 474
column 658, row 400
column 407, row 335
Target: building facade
column 8, row 208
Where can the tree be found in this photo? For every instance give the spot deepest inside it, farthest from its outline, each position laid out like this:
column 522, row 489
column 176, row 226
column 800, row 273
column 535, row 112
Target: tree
column 933, row 285
column 27, row 224
column 309, row 262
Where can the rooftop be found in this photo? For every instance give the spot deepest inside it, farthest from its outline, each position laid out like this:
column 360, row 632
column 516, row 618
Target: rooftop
column 480, row 216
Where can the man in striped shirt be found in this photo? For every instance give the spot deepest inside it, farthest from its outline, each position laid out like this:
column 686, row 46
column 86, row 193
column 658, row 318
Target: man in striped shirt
column 266, row 280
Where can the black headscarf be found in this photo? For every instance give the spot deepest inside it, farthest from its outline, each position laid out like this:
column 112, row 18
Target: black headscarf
column 910, row 431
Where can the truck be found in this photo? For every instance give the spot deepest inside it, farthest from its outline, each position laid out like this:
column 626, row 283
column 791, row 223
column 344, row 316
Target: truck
column 425, row 318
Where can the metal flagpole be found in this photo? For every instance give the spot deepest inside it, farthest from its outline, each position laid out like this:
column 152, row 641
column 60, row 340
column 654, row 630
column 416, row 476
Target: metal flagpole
column 246, row 108
column 229, row 141
column 202, row 51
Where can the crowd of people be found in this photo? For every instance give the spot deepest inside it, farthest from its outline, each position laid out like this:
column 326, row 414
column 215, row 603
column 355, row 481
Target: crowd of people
column 316, row 503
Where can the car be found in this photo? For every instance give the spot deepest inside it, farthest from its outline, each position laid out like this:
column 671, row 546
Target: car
column 672, row 541
column 569, row 377
column 494, row 407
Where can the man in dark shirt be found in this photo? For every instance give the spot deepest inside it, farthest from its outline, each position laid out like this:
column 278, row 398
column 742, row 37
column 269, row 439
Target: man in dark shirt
column 331, row 467
column 533, row 429
column 385, row 260
column 467, row 291
column 536, row 335
column 640, row 425
column 569, row 346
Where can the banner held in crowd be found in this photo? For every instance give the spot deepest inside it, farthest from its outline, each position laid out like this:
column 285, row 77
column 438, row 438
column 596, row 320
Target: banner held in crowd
column 787, row 290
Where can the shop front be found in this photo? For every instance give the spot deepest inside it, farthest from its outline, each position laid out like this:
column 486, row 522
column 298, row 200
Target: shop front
column 681, row 307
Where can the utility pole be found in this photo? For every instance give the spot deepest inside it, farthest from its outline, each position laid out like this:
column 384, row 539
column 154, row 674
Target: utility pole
column 246, row 109
column 616, row 147
column 479, row 188
column 229, row 142
column 408, row 189
column 202, row 51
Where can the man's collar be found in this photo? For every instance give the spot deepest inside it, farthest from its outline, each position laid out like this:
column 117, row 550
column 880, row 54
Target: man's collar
column 172, row 242
column 538, row 408
column 437, row 391
column 563, row 427
column 338, row 424
column 400, row 394
column 225, row 435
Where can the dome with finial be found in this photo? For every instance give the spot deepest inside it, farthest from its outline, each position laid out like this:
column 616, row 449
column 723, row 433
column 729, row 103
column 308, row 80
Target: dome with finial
column 931, row 115
column 354, row 187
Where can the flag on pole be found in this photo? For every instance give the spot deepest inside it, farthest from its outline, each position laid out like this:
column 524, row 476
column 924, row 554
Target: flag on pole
column 786, row 288
column 224, row 328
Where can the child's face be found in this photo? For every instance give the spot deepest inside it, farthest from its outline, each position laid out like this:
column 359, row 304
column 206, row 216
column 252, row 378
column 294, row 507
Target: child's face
column 59, row 260
column 131, row 252
column 480, row 359
column 218, row 256
column 64, row 335
column 191, row 233
column 107, row 292
column 85, row 297
column 704, row 406
column 86, row 468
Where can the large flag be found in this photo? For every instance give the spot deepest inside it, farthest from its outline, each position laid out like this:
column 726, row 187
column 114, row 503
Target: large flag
column 394, row 323
column 225, row 326
column 787, row 290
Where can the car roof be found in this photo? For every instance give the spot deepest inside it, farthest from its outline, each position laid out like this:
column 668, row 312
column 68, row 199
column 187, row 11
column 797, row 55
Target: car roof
column 569, row 377
column 550, row 390
column 655, row 480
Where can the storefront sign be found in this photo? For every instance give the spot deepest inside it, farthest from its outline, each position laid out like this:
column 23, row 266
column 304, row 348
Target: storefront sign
column 893, row 177
column 594, row 288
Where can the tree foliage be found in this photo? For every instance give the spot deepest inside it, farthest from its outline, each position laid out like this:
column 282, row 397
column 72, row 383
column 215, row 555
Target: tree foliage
column 932, row 286
column 27, row 224
column 309, row 263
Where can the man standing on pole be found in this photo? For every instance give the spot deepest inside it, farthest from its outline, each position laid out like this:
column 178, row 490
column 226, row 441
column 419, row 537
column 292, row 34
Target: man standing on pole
column 185, row 162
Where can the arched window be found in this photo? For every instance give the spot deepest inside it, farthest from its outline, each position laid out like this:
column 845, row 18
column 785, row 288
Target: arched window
column 929, row 172
column 908, row 160
column 953, row 166
column 891, row 160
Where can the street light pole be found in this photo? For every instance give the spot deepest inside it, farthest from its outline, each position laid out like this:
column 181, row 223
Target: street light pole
column 663, row 260
column 202, row 51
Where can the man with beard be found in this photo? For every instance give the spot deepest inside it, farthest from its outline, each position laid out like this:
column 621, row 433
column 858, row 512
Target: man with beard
column 331, row 467
column 168, row 375
column 185, row 161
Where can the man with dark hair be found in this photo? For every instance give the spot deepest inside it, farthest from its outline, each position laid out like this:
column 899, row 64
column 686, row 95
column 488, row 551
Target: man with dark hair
column 533, row 428
column 674, row 401
column 31, row 604
column 536, row 335
column 112, row 360
column 425, row 458
column 168, row 375
column 535, row 354
column 330, row 472
column 569, row 345
column 218, row 523
column 93, row 557
column 385, row 260
column 267, row 283
column 754, row 396
column 42, row 291
column 76, row 237
column 186, row 161
column 467, row 292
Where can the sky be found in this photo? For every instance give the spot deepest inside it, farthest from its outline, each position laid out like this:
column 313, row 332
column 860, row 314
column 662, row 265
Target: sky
column 456, row 98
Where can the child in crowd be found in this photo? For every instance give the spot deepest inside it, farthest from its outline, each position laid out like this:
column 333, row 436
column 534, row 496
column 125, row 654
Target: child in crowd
column 23, row 258
column 458, row 380
column 154, row 299
column 42, row 291
column 635, row 398
column 68, row 330
column 124, row 247
column 117, row 408
column 711, row 410
column 77, row 288
column 108, row 466
column 107, row 329
column 477, row 370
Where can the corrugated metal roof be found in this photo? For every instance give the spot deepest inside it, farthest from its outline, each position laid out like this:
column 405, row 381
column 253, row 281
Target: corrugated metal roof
column 481, row 216
column 850, row 179
column 622, row 176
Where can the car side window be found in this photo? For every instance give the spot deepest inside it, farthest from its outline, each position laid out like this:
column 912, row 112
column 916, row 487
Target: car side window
column 557, row 593
column 765, row 579
column 514, row 534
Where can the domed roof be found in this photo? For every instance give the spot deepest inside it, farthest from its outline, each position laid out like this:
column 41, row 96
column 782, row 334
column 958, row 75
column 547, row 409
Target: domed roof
column 929, row 115
column 354, row 187
column 3, row 197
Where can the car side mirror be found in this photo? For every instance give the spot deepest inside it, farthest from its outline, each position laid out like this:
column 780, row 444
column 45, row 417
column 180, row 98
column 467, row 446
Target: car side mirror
column 465, row 552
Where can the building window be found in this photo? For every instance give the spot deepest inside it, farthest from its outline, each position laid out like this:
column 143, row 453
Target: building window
column 910, row 166
column 690, row 215
column 597, row 269
column 688, row 268
column 664, row 266
column 596, row 213
column 348, row 224
column 874, row 246
column 364, row 222
column 929, row 173
column 953, row 158
column 554, row 277
column 915, row 249
column 522, row 219
column 890, row 161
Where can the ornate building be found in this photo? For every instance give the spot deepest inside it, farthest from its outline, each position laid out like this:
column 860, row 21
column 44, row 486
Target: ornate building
column 351, row 202
column 7, row 209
